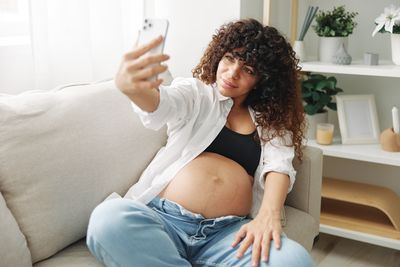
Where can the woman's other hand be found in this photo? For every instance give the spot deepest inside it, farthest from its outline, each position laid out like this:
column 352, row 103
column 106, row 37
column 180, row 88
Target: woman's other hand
column 259, row 233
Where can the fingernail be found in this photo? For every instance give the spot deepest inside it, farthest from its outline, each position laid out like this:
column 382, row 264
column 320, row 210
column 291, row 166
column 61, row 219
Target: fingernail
column 254, row 264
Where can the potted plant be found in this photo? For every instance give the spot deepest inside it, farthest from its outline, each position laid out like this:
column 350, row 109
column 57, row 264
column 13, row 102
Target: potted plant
column 333, row 28
column 317, row 94
column 389, row 21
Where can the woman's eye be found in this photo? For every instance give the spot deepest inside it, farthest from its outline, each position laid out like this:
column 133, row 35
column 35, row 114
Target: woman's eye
column 229, row 58
column 249, row 71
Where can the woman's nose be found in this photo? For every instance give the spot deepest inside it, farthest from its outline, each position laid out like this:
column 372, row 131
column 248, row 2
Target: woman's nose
column 234, row 71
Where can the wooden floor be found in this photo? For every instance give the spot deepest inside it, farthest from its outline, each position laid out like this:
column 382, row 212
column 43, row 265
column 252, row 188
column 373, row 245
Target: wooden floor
column 332, row 251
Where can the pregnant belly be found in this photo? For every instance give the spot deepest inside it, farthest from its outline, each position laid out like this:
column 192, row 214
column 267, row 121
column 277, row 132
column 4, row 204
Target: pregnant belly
column 213, row 186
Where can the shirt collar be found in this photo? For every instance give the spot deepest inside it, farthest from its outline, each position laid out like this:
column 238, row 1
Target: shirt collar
column 220, row 96
column 223, row 98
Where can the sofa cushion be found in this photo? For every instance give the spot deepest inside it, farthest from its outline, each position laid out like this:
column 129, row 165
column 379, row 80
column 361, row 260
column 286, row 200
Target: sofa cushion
column 62, row 152
column 301, row 227
column 13, row 248
column 76, row 255
column 306, row 193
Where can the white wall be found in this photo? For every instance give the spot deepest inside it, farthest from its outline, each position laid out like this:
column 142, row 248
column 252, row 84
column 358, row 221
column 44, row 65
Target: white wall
column 386, row 90
column 192, row 24
column 252, row 9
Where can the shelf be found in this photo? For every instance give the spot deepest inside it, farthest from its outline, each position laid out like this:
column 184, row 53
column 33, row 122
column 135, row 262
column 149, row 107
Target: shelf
column 359, row 236
column 368, row 211
column 357, row 218
column 384, row 69
column 370, row 153
column 376, row 198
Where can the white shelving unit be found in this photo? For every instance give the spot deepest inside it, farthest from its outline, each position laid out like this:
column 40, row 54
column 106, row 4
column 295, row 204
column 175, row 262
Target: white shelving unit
column 370, row 153
column 384, row 69
column 339, row 225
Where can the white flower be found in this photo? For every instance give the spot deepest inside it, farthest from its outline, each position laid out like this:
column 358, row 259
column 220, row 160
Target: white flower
column 390, row 17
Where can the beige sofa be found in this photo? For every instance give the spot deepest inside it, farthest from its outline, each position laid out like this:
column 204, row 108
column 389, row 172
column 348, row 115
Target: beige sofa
column 62, row 152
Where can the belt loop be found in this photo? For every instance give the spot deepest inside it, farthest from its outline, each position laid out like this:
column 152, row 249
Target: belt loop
column 161, row 204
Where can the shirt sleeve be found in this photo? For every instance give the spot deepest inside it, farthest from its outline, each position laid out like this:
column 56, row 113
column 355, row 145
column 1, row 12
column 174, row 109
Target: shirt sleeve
column 278, row 156
column 176, row 104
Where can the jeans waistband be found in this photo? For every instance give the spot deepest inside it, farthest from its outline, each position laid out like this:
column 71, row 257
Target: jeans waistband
column 173, row 208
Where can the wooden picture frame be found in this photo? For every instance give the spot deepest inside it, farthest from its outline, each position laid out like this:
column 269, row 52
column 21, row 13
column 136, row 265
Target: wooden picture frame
column 294, row 10
column 358, row 119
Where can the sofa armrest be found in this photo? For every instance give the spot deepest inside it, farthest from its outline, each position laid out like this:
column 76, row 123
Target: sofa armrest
column 306, row 193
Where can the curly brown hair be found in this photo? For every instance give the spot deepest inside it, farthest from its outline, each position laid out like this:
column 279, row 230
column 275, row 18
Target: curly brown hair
column 277, row 96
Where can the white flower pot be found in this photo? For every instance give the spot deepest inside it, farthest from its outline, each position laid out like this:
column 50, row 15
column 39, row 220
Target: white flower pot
column 328, row 46
column 395, row 40
column 312, row 121
column 298, row 48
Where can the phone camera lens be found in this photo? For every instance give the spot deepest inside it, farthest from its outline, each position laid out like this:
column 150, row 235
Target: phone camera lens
column 144, row 27
column 150, row 25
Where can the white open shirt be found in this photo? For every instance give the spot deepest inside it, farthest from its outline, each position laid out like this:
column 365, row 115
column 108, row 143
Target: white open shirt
column 195, row 113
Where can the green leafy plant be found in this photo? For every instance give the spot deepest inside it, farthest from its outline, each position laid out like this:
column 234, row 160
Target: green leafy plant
column 335, row 23
column 317, row 92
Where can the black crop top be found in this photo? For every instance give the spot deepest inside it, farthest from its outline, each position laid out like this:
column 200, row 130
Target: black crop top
column 241, row 148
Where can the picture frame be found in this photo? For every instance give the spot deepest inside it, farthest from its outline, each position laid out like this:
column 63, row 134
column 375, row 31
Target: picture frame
column 358, row 119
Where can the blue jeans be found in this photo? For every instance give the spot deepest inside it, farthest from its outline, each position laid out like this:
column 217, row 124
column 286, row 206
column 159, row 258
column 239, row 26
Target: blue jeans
column 124, row 232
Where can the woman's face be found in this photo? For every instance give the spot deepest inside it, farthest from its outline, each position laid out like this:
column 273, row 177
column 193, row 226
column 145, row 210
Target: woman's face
column 235, row 79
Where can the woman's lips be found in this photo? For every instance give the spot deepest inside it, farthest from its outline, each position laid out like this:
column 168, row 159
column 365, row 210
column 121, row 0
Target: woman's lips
column 227, row 84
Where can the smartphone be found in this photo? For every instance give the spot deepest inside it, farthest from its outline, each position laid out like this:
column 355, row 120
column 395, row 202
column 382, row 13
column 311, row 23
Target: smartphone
column 151, row 29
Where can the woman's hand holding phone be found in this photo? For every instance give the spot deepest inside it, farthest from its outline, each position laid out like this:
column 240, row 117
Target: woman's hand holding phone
column 138, row 66
column 137, row 75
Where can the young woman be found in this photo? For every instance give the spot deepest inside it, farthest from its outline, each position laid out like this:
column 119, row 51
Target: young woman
column 213, row 195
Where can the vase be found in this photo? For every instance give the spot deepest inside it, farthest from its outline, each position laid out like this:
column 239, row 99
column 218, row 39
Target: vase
column 341, row 56
column 298, row 48
column 395, row 40
column 328, row 46
column 312, row 121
